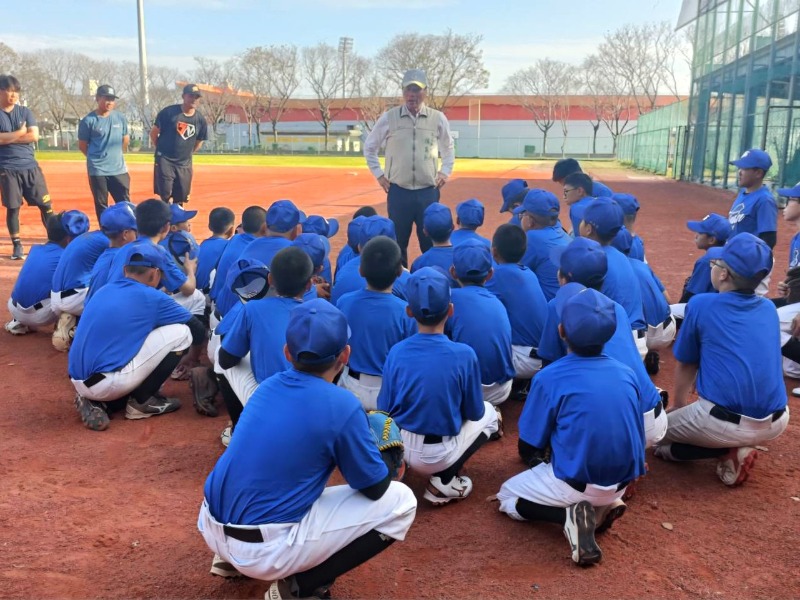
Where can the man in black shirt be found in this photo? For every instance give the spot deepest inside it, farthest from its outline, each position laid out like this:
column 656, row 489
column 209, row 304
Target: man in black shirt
column 178, row 132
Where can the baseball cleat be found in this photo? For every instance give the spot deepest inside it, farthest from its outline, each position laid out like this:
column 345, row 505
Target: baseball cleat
column 93, row 414
column 438, row 493
column 225, row 436
column 734, row 468
column 664, row 451
column 606, row 515
column 652, row 362
column 579, row 529
column 222, row 568
column 14, row 327
column 18, row 253
column 154, row 405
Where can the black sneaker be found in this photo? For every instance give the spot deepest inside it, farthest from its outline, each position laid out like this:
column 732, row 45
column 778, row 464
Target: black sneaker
column 652, row 362
column 579, row 530
column 18, row 253
column 93, row 414
column 154, row 405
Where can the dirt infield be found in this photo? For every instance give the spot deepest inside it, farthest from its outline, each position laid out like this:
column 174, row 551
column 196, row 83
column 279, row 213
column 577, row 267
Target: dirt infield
column 113, row 514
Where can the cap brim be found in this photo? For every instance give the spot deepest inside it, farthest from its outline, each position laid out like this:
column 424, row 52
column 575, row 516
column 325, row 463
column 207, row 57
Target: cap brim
column 696, row 226
column 792, row 192
column 417, row 83
column 714, row 252
column 333, row 227
column 519, row 210
column 567, row 291
column 303, row 217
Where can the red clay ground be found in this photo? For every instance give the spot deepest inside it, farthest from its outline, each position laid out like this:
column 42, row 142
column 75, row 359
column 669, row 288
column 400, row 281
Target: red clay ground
column 113, row 514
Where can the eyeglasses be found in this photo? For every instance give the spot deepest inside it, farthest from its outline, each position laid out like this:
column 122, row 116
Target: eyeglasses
column 716, row 263
column 568, row 190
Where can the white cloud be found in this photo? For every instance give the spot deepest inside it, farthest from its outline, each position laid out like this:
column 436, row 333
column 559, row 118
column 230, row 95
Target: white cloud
column 100, row 45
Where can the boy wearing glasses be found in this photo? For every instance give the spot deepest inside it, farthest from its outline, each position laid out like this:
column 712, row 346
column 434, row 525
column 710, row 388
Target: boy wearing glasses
column 577, row 195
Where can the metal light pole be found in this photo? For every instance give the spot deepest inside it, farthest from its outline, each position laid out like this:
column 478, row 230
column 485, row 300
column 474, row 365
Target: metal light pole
column 142, row 62
column 345, row 47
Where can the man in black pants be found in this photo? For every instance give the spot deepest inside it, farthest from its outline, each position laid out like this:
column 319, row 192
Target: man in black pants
column 20, row 175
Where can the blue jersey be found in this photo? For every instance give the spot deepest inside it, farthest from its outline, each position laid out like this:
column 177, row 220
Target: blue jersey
column 233, row 249
column 259, row 481
column 656, row 309
column 519, row 291
column 622, row 286
column 377, row 322
column 735, row 340
column 327, row 273
column 36, row 276
column 699, row 281
column 260, row 329
column 431, row 385
column 460, row 236
column 101, row 271
column 537, row 256
column 350, row 280
column 17, row 157
column 441, row 256
column 754, row 213
column 346, row 254
column 265, row 248
column 576, row 214
column 480, row 320
column 129, row 309
column 103, row 136
column 207, row 258
column 172, row 278
column 225, row 324
column 794, row 251
column 637, row 248
column 75, row 267
column 592, row 441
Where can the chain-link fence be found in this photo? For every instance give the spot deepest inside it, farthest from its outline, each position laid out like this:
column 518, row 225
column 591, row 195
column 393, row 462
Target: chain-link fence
column 658, row 143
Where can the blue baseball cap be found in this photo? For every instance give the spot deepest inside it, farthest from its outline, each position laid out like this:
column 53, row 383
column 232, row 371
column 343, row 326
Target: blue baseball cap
column 315, row 245
column 623, row 241
column 605, row 215
column 317, row 332
column 582, row 260
column 601, row 190
column 180, row 243
column 470, row 213
column 283, row 216
column 321, row 226
column 747, row 256
column 792, row 192
column 539, row 202
column 354, row 231
column 513, row 192
column 179, row 215
column 74, row 222
column 119, row 217
column 753, row 159
column 712, row 224
column 472, row 259
column 627, row 202
column 428, row 292
column 145, row 254
column 373, row 227
column 588, row 317
column 248, row 279
column 437, row 220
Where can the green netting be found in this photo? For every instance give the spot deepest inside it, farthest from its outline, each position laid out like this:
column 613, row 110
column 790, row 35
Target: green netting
column 657, row 141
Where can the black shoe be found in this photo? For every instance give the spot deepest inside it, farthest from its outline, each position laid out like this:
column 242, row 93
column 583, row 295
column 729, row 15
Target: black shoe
column 579, row 529
column 652, row 362
column 18, row 253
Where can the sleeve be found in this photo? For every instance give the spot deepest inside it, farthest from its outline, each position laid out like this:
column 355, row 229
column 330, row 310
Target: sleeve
column 387, row 393
column 237, row 339
column 551, row 346
column 446, row 146
column 766, row 214
column 168, row 311
column 356, row 453
column 659, row 284
column 372, row 145
column 700, row 279
column 538, row 418
column 687, row 345
column 161, row 117
column 83, row 130
column 173, row 278
column 472, row 407
column 30, row 119
column 202, row 130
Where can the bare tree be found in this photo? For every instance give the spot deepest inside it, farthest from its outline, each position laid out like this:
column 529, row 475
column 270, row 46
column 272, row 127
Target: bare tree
column 220, row 75
column 611, row 96
column 284, row 77
column 591, row 85
column 541, row 89
column 373, row 89
column 452, row 62
column 9, row 60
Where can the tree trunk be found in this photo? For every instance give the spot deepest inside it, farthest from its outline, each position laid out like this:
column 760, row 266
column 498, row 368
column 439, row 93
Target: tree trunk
column 614, row 144
column 594, row 138
column 544, row 142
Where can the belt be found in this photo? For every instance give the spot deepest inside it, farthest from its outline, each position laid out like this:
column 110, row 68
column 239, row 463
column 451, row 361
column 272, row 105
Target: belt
column 251, row 536
column 217, row 315
column 93, row 379
column 68, row 293
column 657, row 410
column 353, row 373
column 432, row 439
column 579, row 486
column 723, row 414
column 640, row 333
column 37, row 306
column 667, row 321
column 533, row 353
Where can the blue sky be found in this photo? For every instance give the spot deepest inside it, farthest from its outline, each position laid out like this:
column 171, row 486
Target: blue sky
column 516, row 32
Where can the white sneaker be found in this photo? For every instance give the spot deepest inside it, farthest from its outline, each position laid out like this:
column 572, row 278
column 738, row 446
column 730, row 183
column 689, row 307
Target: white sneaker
column 664, row 452
column 499, row 433
column 734, row 468
column 222, row 568
column 225, row 436
column 605, row 516
column 14, row 327
column 579, row 530
column 154, row 405
column 65, row 331
column 437, row 492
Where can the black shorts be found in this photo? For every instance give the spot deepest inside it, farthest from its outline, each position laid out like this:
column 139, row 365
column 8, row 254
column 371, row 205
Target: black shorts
column 172, row 180
column 28, row 185
column 118, row 186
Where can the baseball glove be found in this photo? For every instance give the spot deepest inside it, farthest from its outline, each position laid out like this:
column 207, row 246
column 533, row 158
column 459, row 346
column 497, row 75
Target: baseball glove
column 387, row 437
column 204, row 389
column 64, row 332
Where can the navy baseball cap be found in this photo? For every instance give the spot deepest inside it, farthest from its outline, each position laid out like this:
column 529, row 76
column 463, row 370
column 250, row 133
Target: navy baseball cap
column 317, row 332
column 180, row 243
column 472, row 259
column 470, row 213
column 588, row 317
column 437, row 220
column 248, row 279
column 145, row 254
column 747, row 256
column 283, row 216
column 753, row 159
column 792, row 192
column 513, row 192
column 712, row 224
column 321, row 226
column 354, row 231
column 564, row 167
column 623, row 241
column 179, row 215
column 627, row 202
column 106, row 91
column 315, row 246
column 539, row 202
column 192, row 89
column 373, row 227
column 428, row 292
column 119, row 217
column 74, row 222
column 601, row 190
column 582, row 260
column 605, row 215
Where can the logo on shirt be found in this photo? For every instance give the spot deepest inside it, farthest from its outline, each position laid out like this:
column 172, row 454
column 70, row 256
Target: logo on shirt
column 737, row 214
column 185, row 130
column 795, row 258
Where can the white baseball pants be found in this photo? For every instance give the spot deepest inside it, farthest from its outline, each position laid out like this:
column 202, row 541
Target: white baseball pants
column 33, row 317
